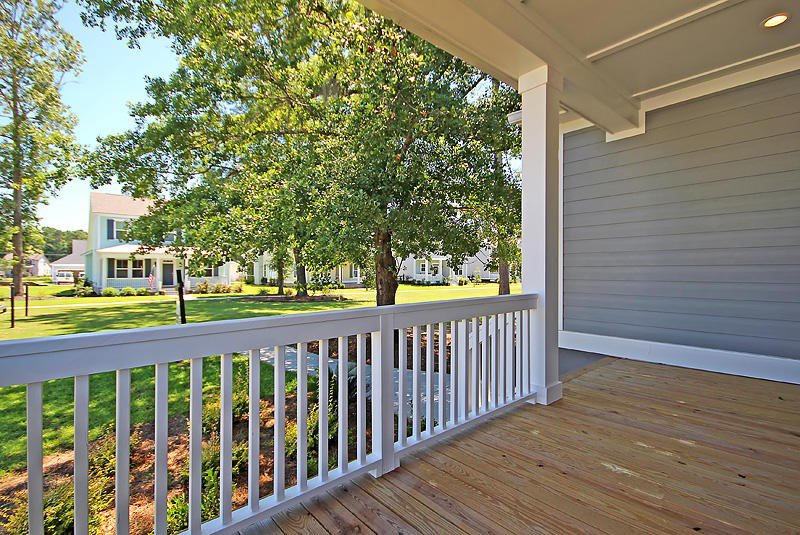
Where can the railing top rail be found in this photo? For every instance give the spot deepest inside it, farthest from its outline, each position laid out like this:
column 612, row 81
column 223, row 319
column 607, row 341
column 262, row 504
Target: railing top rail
column 42, row 359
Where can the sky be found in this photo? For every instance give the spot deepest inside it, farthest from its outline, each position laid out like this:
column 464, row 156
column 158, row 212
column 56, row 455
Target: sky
column 111, row 78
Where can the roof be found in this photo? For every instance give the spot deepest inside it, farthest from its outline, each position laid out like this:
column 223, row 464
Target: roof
column 75, row 257
column 112, row 203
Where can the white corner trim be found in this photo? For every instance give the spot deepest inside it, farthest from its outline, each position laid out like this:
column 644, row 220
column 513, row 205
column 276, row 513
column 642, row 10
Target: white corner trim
column 715, row 360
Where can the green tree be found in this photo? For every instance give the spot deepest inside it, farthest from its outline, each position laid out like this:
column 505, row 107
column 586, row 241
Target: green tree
column 36, row 143
column 315, row 125
column 58, row 243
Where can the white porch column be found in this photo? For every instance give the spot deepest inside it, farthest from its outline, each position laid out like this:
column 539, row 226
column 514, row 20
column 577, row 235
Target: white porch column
column 541, row 94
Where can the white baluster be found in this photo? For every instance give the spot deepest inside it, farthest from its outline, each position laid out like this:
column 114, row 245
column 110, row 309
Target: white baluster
column 195, row 443
column 279, row 450
column 416, row 387
column 474, row 376
column 302, row 415
column 33, row 415
column 429, row 427
column 81, row 463
column 123, row 451
column 226, row 437
column 485, row 356
column 254, row 430
column 442, row 375
column 518, row 353
column 323, row 410
column 508, row 322
column 161, row 449
column 402, row 410
column 343, row 454
column 361, row 398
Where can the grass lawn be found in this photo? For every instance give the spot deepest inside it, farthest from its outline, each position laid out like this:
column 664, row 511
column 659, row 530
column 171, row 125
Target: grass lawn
column 66, row 316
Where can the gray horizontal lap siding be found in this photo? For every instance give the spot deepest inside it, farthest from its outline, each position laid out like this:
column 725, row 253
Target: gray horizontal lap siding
column 690, row 233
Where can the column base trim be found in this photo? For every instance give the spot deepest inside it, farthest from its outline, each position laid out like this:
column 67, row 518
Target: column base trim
column 546, row 395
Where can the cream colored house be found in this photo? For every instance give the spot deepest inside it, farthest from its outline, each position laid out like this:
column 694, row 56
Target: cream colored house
column 112, row 262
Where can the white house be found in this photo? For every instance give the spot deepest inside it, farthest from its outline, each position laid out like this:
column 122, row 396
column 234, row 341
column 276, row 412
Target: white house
column 67, row 268
column 435, row 269
column 347, row 273
column 112, row 262
column 438, row 269
column 34, row 265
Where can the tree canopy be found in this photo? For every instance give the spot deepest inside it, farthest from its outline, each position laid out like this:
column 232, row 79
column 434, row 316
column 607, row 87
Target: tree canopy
column 313, row 126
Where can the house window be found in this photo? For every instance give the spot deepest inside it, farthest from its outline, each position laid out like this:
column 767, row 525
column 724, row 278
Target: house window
column 121, row 271
column 119, row 229
column 354, row 272
column 137, row 271
column 460, row 271
column 422, row 267
column 211, row 272
column 434, row 269
column 169, row 237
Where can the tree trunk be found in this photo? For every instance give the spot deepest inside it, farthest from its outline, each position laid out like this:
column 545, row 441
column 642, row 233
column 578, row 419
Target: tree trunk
column 280, row 266
column 385, row 269
column 16, row 270
column 502, row 270
column 300, row 283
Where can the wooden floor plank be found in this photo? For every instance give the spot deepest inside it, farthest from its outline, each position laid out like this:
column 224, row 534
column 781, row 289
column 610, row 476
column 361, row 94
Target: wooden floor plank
column 373, row 513
column 407, row 506
column 632, row 447
column 298, row 520
column 334, row 517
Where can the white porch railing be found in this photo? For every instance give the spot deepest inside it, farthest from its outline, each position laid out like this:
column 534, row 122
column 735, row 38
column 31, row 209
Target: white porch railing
column 479, row 347
column 130, row 282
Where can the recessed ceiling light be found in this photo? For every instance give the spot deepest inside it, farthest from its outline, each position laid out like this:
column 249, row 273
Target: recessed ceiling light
column 775, row 20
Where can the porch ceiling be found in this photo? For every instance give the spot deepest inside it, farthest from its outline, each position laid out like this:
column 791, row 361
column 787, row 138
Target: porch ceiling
column 616, row 54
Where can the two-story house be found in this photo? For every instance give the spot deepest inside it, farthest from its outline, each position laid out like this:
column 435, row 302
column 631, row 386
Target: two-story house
column 438, row 269
column 112, row 262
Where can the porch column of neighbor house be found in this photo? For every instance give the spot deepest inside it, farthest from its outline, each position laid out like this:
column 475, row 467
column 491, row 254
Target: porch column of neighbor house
column 541, row 94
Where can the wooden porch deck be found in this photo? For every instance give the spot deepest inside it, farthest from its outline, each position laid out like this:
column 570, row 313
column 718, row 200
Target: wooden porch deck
column 632, row 447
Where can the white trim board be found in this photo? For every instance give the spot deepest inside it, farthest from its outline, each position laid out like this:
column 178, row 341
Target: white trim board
column 715, row 360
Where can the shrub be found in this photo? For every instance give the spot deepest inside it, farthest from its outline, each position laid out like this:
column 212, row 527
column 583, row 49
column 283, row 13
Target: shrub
column 249, row 279
column 127, row 291
column 177, row 513
column 83, row 288
column 109, row 292
column 237, row 287
column 142, row 291
column 220, row 289
column 202, row 287
column 58, row 500
column 263, row 291
column 320, row 282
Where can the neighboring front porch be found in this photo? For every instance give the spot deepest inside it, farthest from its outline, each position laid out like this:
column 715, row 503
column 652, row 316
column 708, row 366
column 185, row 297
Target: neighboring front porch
column 632, row 447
